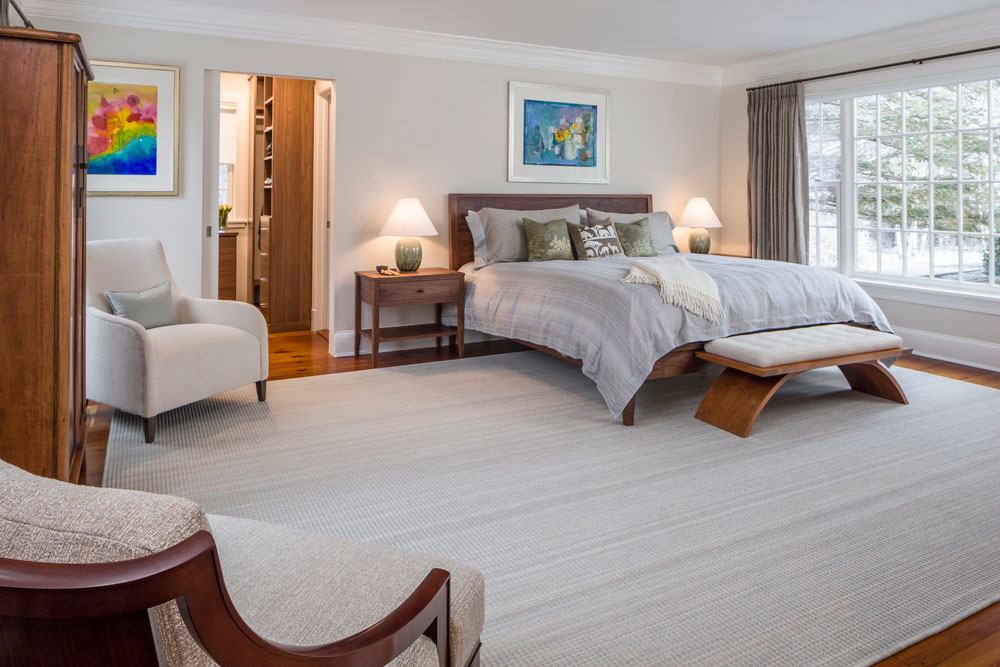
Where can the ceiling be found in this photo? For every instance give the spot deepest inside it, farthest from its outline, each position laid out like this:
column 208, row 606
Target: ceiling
column 706, row 32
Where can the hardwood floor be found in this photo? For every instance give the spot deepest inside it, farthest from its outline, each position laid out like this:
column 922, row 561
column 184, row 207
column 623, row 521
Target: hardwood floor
column 973, row 641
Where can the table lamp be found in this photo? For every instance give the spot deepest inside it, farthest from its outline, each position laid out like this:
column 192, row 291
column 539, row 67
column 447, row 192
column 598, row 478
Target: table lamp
column 408, row 219
column 698, row 214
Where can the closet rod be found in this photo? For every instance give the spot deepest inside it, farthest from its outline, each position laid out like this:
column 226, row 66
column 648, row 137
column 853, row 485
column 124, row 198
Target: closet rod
column 914, row 61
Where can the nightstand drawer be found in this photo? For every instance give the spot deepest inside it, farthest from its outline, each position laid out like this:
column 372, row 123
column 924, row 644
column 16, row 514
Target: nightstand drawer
column 418, row 291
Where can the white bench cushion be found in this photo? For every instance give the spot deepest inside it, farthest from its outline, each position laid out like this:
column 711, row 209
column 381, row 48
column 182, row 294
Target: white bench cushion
column 788, row 346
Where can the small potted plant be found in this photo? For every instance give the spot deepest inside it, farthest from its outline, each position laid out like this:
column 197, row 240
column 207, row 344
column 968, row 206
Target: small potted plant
column 224, row 210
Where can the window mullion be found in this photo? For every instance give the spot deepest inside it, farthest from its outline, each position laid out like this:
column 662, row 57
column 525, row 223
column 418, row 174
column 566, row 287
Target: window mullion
column 846, row 218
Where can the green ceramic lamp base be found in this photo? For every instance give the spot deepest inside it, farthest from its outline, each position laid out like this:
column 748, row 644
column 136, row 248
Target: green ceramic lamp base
column 408, row 254
column 699, row 241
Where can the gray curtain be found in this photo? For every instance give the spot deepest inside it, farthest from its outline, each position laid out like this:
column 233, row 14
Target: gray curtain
column 778, row 177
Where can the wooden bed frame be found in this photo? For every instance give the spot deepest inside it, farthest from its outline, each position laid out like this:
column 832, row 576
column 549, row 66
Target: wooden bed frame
column 678, row 361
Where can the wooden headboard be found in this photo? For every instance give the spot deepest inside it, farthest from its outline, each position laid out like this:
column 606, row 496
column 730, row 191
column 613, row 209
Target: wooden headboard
column 460, row 246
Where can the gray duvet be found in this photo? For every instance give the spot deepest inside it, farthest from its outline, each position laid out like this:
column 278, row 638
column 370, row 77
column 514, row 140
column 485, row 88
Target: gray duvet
column 583, row 310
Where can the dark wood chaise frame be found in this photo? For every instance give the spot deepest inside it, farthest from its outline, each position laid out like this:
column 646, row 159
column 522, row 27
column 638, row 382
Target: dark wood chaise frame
column 97, row 615
column 678, row 361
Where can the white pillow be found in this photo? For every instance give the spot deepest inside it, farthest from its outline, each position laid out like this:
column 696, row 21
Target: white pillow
column 478, row 237
column 661, row 226
column 504, row 230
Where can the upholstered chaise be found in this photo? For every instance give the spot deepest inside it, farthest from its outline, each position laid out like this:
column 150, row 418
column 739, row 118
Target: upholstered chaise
column 217, row 345
column 291, row 587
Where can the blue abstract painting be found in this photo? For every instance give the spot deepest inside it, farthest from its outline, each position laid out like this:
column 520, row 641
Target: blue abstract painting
column 560, row 133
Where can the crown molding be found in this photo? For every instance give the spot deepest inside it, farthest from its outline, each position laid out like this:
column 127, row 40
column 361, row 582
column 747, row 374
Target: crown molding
column 188, row 17
column 968, row 30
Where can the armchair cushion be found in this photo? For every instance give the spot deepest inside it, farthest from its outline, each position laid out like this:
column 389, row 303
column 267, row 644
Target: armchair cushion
column 151, row 307
column 195, row 361
column 296, row 587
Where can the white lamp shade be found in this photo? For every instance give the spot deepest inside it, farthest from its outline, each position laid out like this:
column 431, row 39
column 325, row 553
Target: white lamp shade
column 408, row 218
column 698, row 213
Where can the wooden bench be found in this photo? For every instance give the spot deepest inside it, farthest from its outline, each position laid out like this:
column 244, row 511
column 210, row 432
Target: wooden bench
column 739, row 394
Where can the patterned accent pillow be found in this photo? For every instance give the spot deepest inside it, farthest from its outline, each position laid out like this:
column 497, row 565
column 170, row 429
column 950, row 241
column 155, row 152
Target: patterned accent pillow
column 547, row 240
column 598, row 240
column 151, row 307
column 636, row 237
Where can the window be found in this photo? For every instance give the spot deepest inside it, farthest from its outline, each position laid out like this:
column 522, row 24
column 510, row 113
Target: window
column 823, row 130
column 919, row 197
column 225, row 183
column 227, row 152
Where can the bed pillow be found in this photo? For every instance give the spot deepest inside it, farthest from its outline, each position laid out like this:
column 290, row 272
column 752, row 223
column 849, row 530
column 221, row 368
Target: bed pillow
column 547, row 240
column 478, row 237
column 151, row 307
column 636, row 237
column 595, row 241
column 504, row 230
column 660, row 224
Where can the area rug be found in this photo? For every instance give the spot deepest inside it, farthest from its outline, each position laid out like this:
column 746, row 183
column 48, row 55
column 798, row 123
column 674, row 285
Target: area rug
column 845, row 528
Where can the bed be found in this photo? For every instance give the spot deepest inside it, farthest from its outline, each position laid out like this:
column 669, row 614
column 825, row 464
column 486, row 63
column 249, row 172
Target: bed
column 623, row 335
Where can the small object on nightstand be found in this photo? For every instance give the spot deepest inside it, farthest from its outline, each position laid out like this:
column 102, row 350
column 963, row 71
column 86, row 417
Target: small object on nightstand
column 384, row 270
column 408, row 219
column 698, row 214
column 426, row 286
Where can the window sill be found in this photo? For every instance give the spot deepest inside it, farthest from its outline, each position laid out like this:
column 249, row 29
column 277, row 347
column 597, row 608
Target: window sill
column 955, row 299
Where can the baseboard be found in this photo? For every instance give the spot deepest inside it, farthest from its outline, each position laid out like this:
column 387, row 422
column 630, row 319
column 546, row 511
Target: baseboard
column 968, row 351
column 343, row 343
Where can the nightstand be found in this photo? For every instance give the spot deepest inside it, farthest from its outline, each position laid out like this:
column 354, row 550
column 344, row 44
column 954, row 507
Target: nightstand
column 437, row 286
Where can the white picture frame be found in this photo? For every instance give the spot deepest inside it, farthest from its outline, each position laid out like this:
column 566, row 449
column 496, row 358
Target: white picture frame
column 102, row 180
column 551, row 121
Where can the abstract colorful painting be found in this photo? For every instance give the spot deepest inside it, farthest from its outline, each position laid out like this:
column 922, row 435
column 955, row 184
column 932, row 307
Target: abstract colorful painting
column 132, row 123
column 121, row 129
column 559, row 133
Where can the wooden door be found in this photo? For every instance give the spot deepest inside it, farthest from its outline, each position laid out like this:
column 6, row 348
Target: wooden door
column 291, row 225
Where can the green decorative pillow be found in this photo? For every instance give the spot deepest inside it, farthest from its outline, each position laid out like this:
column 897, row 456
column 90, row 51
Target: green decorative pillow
column 547, row 240
column 598, row 240
column 636, row 237
column 151, row 307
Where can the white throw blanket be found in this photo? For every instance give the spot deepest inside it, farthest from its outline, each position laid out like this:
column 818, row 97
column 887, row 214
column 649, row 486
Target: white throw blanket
column 680, row 284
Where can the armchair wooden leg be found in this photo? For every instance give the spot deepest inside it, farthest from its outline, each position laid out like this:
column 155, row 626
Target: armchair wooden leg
column 262, row 390
column 149, row 428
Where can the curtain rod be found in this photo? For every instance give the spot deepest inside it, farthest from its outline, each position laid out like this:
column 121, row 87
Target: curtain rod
column 913, row 61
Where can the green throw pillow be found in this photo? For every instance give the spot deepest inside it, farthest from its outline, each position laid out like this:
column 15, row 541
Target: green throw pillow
column 636, row 237
column 151, row 307
column 547, row 240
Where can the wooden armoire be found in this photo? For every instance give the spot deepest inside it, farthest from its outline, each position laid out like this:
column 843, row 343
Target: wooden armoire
column 43, row 136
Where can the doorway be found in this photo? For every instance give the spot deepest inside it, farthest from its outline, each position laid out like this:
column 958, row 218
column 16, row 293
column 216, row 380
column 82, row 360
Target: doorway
column 275, row 197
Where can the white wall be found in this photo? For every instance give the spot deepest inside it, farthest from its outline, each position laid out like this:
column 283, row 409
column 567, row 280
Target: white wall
column 406, row 126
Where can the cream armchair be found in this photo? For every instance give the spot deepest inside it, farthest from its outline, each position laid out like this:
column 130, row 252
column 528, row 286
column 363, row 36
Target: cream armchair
column 217, row 346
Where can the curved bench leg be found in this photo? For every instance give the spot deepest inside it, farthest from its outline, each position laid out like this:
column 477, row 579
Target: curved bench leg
column 871, row 377
column 735, row 400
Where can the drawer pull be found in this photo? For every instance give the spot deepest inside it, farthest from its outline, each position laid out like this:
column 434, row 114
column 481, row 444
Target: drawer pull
column 420, row 291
